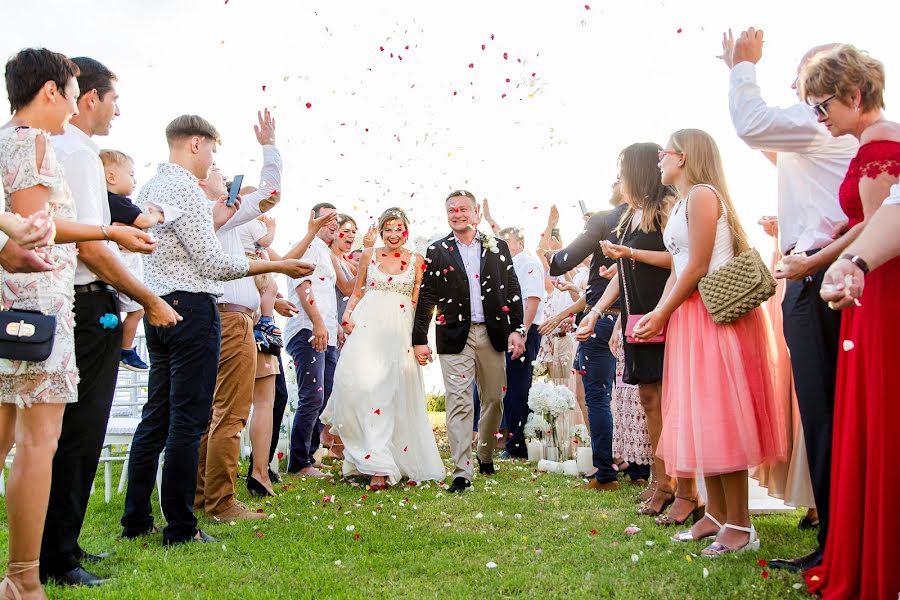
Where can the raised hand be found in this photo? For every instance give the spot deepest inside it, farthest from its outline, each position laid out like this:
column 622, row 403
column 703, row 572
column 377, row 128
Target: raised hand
column 553, row 218
column 748, row 47
column 371, row 236
column 265, row 131
column 316, row 223
column 727, row 55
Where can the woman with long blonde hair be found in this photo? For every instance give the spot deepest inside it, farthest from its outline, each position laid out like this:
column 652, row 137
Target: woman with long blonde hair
column 720, row 415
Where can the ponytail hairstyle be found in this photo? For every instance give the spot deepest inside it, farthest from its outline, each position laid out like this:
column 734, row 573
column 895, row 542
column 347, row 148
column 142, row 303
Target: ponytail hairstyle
column 703, row 164
column 641, row 184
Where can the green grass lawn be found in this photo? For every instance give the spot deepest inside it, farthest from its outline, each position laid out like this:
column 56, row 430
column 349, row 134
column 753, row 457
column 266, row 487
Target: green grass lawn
column 547, row 540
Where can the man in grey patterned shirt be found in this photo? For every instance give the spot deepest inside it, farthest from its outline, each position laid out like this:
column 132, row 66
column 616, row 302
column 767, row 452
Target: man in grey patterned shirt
column 186, row 271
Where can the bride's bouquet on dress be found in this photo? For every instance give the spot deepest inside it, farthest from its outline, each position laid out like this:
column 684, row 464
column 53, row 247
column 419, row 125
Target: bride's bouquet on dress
column 551, row 402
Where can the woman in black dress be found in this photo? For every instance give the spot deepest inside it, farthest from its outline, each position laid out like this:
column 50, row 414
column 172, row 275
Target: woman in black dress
column 644, row 264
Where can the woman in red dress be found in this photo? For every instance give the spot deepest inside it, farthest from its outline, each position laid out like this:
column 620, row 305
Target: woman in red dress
column 845, row 87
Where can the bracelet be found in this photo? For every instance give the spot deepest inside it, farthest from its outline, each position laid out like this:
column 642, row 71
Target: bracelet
column 104, row 232
column 858, row 261
column 596, row 311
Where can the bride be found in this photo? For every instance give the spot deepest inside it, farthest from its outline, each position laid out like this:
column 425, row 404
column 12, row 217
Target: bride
column 377, row 404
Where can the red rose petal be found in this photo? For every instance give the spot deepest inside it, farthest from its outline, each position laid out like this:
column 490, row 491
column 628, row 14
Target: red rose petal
column 259, row 534
column 503, row 95
column 355, row 536
column 367, row 456
column 260, row 511
column 405, row 448
column 762, row 562
column 381, row 48
column 764, row 574
column 280, row 455
column 340, row 235
column 471, row 65
column 593, row 532
column 406, row 48
column 309, row 105
column 504, row 309
column 679, row 31
column 377, row 411
column 401, row 306
column 505, row 56
column 587, row 7
column 492, row 37
column 454, row 93
column 483, row 46
column 396, row 255
column 507, row 80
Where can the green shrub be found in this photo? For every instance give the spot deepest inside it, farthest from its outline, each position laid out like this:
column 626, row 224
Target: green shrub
column 436, row 402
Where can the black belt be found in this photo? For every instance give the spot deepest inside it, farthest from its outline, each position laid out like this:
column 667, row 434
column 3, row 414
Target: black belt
column 96, row 286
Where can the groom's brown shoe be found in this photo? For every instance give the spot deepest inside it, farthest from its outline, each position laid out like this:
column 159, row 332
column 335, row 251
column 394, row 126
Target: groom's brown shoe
column 459, row 484
column 595, row 485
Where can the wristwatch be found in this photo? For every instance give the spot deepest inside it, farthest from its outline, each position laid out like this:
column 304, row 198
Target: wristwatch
column 858, row 261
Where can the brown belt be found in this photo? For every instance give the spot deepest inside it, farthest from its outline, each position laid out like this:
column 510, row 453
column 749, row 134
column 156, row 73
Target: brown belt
column 228, row 307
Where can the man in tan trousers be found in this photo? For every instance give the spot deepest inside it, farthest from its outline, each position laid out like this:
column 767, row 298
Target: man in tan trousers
column 470, row 281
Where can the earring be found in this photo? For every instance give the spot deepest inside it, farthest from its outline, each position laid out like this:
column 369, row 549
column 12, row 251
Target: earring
column 857, row 108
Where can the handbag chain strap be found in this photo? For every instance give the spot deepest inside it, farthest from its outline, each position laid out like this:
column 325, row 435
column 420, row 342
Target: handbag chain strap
column 622, row 270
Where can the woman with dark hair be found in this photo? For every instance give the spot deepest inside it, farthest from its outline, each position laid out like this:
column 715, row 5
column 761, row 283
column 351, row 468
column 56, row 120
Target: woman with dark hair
column 42, row 89
column 644, row 266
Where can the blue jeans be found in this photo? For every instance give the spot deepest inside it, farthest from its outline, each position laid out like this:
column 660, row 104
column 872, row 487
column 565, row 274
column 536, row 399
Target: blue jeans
column 184, row 360
column 515, row 402
column 315, row 375
column 598, row 368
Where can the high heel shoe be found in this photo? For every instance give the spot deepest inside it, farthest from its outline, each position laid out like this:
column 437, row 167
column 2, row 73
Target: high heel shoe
column 695, row 515
column 717, row 549
column 687, row 536
column 256, row 488
column 15, row 568
column 649, row 511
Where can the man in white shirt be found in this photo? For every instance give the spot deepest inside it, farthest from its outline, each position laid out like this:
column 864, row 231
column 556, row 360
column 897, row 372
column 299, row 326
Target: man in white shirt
column 97, row 345
column 220, row 445
column 811, row 166
column 311, row 339
column 530, row 273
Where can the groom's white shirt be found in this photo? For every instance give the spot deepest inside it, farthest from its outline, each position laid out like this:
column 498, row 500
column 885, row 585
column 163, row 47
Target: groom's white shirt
column 471, row 258
column 322, row 282
column 530, row 274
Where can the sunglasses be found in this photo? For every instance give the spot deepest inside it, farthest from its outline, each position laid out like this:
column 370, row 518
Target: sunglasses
column 664, row 153
column 820, row 110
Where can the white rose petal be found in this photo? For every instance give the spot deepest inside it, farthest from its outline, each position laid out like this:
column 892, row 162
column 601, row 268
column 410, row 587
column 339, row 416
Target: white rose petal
column 635, row 558
column 337, row 563
column 848, row 345
column 491, row 565
column 351, row 527
column 479, row 515
column 706, row 574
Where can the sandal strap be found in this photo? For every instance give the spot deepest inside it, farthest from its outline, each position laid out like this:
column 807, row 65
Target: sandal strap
column 695, row 499
column 16, row 568
column 739, row 528
column 713, row 519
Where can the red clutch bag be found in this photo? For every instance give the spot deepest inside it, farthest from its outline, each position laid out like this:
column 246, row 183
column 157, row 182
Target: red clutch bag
column 629, row 332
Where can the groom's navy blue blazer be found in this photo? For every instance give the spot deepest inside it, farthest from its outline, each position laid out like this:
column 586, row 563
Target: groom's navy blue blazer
column 446, row 287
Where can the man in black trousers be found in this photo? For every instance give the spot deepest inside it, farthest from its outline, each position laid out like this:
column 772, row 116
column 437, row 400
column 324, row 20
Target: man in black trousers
column 98, row 334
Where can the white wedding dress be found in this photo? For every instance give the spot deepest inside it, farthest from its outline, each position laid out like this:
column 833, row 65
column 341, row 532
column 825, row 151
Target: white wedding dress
column 377, row 404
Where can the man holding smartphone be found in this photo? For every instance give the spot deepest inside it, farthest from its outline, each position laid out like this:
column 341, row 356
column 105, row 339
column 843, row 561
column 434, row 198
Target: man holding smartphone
column 220, row 446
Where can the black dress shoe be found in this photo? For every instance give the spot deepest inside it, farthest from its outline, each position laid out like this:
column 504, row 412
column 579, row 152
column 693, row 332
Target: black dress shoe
column 256, row 488
column 459, row 484
column 77, row 576
column 154, row 529
column 807, row 523
column 486, row 468
column 93, row 558
column 813, row 559
column 274, row 477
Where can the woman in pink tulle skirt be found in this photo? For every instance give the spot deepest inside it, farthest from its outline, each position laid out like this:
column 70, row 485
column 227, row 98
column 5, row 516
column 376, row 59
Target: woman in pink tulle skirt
column 720, row 413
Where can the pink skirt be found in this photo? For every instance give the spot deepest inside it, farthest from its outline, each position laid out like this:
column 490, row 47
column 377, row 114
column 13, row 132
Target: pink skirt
column 720, row 412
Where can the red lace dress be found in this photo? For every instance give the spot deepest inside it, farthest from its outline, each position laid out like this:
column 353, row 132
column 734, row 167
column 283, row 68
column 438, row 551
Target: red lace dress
column 862, row 554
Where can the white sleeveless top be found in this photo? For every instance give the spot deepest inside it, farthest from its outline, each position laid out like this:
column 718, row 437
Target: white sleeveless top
column 675, row 236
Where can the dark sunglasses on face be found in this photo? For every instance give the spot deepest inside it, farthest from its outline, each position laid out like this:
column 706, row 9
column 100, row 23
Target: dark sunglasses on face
column 820, row 109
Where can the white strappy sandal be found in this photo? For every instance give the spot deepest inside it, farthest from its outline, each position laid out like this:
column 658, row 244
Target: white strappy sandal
column 687, row 536
column 717, row 549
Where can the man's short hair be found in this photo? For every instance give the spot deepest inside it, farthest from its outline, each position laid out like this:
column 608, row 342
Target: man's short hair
column 30, row 69
column 114, row 158
column 464, row 193
column 93, row 76
column 318, row 207
column 187, row 126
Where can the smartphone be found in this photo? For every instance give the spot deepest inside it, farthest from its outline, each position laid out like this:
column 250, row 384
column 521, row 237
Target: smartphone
column 235, row 188
column 554, row 233
column 583, row 207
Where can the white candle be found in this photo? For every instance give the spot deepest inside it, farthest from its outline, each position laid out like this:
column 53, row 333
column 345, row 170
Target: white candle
column 585, row 459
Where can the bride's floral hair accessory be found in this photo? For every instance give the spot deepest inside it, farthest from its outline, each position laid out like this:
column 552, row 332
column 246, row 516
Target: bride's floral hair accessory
column 392, row 214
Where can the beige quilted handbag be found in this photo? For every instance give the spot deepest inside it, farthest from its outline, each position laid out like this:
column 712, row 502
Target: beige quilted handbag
column 736, row 288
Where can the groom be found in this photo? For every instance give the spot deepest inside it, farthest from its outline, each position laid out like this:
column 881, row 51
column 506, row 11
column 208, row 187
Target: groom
column 469, row 277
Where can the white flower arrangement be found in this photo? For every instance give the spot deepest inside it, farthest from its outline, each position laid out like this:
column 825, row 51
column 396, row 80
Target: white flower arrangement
column 536, row 427
column 489, row 242
column 550, row 401
column 580, row 434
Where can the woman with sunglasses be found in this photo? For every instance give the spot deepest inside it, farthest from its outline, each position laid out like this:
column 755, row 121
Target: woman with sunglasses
column 845, row 87
column 720, row 413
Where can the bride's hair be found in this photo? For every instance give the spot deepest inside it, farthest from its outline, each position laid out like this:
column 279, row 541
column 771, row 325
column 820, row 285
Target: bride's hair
column 392, row 214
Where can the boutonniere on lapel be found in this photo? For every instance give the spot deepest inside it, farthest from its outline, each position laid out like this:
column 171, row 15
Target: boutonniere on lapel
column 489, row 242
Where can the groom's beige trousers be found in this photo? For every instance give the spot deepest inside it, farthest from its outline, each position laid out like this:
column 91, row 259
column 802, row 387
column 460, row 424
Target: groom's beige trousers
column 477, row 362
